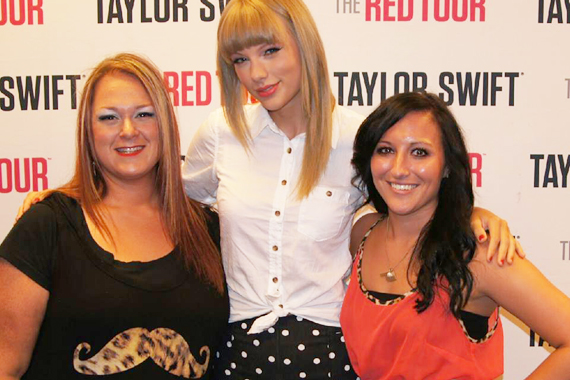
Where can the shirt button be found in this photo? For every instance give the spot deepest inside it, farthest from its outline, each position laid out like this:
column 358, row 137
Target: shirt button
column 277, row 213
column 289, row 150
column 284, row 182
column 329, row 193
column 281, row 306
column 275, row 248
column 275, row 280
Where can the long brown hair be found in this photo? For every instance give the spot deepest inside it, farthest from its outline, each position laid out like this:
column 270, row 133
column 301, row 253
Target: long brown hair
column 184, row 219
column 246, row 23
column 446, row 244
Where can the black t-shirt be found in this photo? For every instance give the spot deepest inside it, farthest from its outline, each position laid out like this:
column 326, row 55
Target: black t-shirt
column 137, row 320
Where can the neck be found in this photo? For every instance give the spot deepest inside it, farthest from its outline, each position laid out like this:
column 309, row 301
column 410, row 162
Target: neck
column 406, row 227
column 131, row 194
column 290, row 119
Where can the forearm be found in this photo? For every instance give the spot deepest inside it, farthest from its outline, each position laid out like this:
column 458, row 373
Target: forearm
column 23, row 308
column 12, row 366
column 15, row 349
column 556, row 366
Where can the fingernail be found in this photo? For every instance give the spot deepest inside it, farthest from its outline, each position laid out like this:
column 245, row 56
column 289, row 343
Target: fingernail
column 501, row 261
column 36, row 200
column 481, row 237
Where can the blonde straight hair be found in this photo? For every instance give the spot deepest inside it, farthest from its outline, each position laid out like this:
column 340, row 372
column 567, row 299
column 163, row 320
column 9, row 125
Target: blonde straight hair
column 184, row 219
column 246, row 23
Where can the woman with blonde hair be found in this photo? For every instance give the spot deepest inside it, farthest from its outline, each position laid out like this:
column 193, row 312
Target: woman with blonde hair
column 279, row 171
column 116, row 271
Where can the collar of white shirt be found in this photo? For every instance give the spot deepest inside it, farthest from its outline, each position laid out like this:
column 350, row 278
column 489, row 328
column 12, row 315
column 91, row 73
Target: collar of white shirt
column 260, row 119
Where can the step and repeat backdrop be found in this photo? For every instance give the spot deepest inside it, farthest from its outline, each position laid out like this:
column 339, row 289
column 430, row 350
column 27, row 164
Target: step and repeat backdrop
column 502, row 65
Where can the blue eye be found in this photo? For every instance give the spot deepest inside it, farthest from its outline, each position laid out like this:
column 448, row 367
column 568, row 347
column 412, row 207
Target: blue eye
column 239, row 60
column 272, row 50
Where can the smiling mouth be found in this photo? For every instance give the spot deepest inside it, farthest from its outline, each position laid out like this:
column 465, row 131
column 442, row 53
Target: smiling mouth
column 267, row 90
column 398, row 186
column 131, row 150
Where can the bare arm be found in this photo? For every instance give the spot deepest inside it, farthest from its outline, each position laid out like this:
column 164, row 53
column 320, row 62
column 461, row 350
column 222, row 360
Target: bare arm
column 525, row 292
column 501, row 241
column 359, row 229
column 23, row 308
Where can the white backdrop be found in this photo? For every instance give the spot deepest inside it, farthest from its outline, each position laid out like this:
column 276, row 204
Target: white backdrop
column 502, row 65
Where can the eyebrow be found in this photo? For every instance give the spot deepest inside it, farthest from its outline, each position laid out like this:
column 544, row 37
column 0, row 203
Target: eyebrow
column 426, row 142
column 114, row 108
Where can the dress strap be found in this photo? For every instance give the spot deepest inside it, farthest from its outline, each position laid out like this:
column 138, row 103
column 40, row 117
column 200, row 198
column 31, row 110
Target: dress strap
column 361, row 246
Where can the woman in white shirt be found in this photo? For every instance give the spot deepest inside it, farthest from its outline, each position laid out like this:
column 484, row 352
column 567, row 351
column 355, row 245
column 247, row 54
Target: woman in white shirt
column 280, row 173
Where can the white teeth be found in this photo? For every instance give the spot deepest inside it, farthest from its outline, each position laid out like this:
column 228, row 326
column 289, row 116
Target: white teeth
column 129, row 150
column 403, row 187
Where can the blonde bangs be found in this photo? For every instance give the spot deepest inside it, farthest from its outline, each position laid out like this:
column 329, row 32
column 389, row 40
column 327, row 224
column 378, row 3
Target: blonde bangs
column 251, row 23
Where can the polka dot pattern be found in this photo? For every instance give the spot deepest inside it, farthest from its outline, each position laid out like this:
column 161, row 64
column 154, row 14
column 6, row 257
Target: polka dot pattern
column 294, row 348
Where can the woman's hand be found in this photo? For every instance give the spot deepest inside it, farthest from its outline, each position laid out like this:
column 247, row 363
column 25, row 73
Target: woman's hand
column 501, row 242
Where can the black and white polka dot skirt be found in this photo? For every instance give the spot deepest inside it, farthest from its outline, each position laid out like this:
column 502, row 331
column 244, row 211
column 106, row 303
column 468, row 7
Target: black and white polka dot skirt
column 294, row 348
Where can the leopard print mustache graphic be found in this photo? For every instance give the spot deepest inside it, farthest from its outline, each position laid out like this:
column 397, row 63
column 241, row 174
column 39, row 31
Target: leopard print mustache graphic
column 165, row 347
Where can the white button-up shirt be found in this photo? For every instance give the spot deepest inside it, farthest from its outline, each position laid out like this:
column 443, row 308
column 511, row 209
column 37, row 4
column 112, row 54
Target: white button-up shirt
column 281, row 256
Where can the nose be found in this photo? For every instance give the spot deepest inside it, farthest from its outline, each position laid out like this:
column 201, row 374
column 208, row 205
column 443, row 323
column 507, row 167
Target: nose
column 257, row 70
column 129, row 129
column 400, row 167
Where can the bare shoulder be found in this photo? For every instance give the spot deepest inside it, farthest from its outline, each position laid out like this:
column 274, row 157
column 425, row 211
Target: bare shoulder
column 490, row 277
column 360, row 228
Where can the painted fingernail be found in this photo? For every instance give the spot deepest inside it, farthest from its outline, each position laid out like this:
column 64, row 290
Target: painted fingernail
column 501, row 261
column 36, row 200
column 481, row 237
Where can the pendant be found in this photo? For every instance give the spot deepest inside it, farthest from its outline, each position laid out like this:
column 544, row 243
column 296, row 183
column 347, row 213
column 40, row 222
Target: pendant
column 390, row 275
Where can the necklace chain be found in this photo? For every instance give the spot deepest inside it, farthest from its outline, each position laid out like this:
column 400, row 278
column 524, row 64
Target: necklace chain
column 390, row 275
